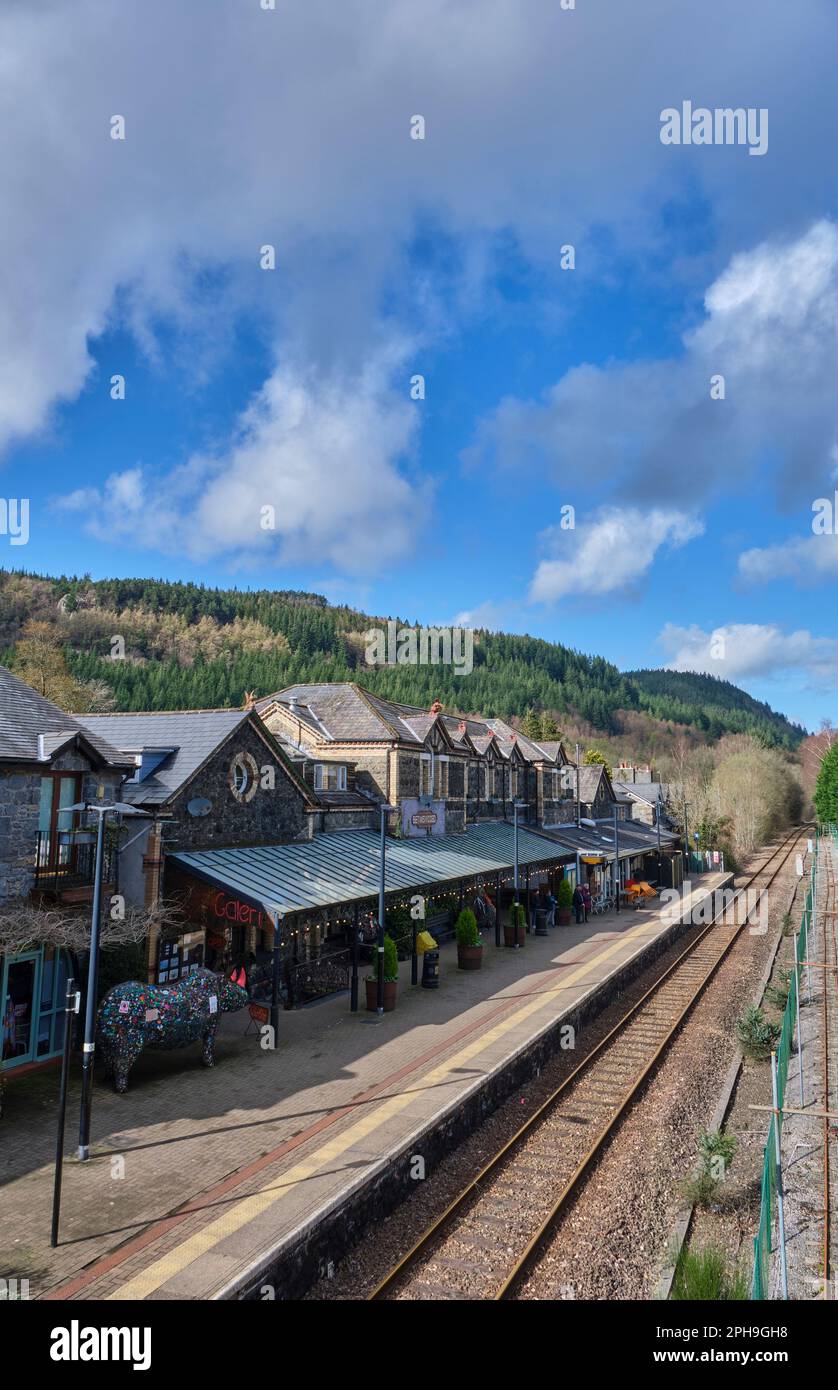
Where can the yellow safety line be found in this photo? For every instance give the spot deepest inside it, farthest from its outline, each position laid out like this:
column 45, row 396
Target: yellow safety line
column 177, row 1259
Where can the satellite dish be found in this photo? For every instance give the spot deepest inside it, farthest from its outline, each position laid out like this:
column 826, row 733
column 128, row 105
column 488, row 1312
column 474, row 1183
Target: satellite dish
column 199, row 806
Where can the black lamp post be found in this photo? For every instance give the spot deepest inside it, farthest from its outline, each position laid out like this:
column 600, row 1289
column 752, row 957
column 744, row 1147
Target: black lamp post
column 617, row 859
column 379, row 1003
column 516, row 806
column 277, row 920
column 71, row 1007
column 102, row 810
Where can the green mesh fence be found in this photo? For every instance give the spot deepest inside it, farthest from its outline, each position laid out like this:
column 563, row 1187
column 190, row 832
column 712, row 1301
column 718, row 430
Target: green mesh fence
column 761, row 1284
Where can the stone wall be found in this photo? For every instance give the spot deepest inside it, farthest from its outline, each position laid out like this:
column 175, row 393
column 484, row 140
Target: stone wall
column 20, row 800
column 268, row 818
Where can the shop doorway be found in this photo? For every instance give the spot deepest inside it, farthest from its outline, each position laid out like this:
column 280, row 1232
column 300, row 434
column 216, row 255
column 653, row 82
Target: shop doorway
column 32, row 988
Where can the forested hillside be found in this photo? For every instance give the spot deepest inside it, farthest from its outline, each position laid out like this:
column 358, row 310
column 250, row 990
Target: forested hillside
column 186, row 646
column 711, row 704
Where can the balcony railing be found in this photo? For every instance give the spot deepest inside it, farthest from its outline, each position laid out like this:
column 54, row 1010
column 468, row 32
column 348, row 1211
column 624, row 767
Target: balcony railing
column 66, row 866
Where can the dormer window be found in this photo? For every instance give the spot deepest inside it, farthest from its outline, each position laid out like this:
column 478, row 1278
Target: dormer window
column 329, row 777
column 147, row 760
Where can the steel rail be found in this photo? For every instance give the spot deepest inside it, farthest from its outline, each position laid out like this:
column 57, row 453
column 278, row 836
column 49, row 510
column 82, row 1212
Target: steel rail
column 494, row 1164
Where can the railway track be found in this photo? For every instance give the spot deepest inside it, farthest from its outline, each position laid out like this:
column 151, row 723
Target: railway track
column 485, row 1241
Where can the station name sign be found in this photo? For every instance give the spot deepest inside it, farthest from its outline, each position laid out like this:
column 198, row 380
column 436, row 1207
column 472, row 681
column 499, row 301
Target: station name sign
column 423, row 820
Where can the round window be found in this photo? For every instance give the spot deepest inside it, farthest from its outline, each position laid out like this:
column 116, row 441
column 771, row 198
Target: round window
column 243, row 777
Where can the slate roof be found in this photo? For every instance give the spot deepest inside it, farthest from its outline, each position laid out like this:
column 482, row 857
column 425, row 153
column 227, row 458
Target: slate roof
column 354, row 800
column 344, row 712
column 337, row 712
column 552, row 749
column 634, row 838
column 590, row 777
column 193, row 733
column 652, row 792
column 24, row 715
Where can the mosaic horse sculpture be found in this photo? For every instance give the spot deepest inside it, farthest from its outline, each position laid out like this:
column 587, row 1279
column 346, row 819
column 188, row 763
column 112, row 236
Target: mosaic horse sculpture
column 135, row 1016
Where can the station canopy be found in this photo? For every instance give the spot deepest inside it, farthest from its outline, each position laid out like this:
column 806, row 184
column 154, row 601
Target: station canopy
column 345, row 867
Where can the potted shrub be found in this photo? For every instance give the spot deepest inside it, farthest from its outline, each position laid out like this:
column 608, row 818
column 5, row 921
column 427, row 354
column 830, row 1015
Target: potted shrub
column 390, row 963
column 82, row 836
column 564, row 900
column 469, row 944
column 515, row 928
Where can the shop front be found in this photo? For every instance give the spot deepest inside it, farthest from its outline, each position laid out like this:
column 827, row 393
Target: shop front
column 32, row 990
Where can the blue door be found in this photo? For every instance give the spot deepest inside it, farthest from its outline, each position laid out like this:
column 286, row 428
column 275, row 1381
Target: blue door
column 19, row 995
column 32, row 1006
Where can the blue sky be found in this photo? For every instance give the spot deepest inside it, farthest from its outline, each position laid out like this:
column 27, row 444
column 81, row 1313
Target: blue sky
column 545, row 386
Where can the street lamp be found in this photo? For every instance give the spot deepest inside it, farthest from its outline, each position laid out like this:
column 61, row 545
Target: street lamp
column 379, row 1005
column 277, row 920
column 578, row 821
column 616, row 859
column 516, row 807
column 101, row 809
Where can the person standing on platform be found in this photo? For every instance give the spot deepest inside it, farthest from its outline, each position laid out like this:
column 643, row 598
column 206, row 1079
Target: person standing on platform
column 550, row 904
column 586, row 898
column 579, row 903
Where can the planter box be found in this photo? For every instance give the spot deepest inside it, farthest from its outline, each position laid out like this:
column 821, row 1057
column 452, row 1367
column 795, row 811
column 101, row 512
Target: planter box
column 509, row 935
column 563, row 915
column 469, row 957
column 390, row 990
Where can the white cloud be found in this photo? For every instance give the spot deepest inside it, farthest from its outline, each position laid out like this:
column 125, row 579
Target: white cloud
column 490, row 616
column 806, row 559
column 246, row 126
column 741, row 650
column 607, row 552
column 652, row 429
column 322, row 456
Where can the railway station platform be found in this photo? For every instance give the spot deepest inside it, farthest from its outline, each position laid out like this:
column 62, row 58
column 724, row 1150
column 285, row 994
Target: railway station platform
column 239, row 1181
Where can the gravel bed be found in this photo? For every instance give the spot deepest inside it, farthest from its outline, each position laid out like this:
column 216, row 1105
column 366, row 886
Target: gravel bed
column 613, row 1239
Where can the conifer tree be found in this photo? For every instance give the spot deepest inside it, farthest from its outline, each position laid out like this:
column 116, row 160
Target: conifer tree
column 826, row 790
column 531, row 723
column 548, row 728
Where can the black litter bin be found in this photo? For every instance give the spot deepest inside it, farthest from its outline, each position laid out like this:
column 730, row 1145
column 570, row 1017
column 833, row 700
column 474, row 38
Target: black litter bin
column 541, row 922
column 430, row 970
